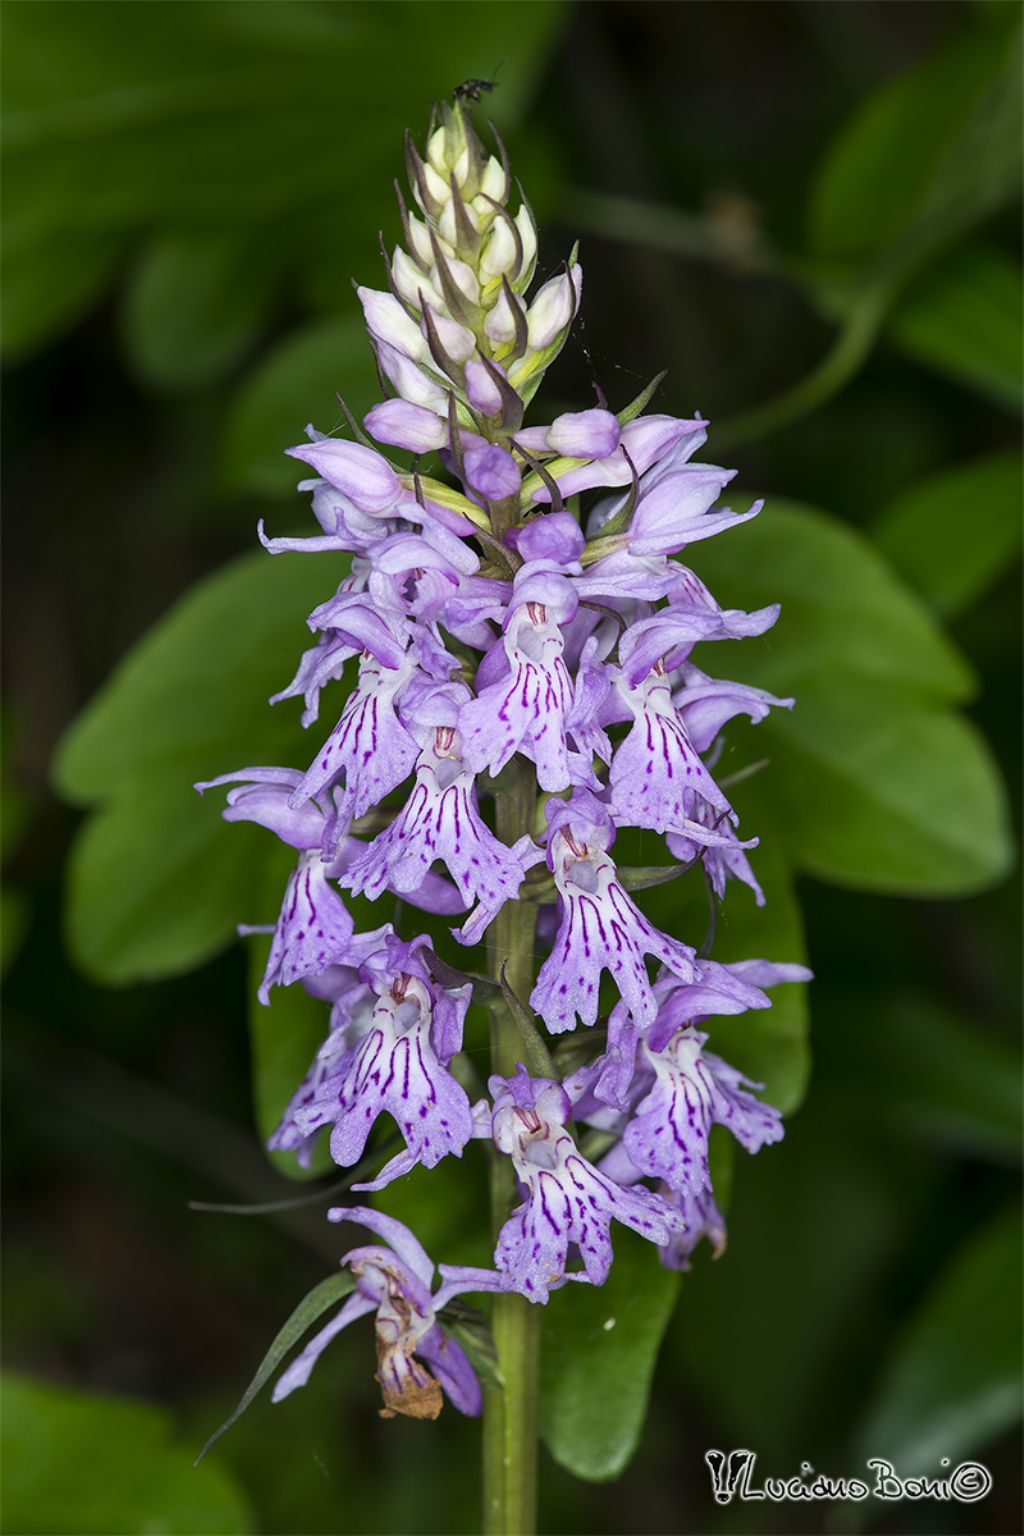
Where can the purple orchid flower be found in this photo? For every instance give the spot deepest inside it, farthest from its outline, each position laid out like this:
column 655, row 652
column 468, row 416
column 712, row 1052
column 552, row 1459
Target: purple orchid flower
column 657, row 778
column 419, row 1363
column 369, row 748
column 314, row 930
column 706, row 704
column 567, row 1200
column 667, row 1137
column 526, row 709
column 440, row 821
column 723, row 859
column 600, row 928
column 392, row 1057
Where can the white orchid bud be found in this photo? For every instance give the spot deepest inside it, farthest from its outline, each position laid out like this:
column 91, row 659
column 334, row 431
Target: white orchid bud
column 463, row 276
column 449, row 228
column 411, row 282
column 436, row 185
column 499, row 252
column 553, row 308
column 494, row 183
column 409, row 380
column 419, row 238
column 388, row 322
column 457, row 341
column 500, row 325
column 528, row 235
column 436, row 152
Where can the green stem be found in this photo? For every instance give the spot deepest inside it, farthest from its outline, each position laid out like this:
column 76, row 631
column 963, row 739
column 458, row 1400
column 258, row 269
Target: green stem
column 510, row 1411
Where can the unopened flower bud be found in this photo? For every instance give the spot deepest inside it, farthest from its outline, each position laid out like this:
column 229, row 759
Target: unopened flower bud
column 458, row 342
column 500, row 325
column 499, row 252
column 364, row 476
column 492, row 472
column 406, row 426
column 411, row 282
column 388, row 322
column 553, row 308
column 409, row 379
column 483, row 394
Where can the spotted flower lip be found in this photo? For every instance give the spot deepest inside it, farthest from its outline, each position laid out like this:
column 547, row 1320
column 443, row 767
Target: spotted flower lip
column 527, row 709
column 397, row 1063
column 600, row 927
column 419, row 1363
column 440, row 821
column 567, row 1201
column 370, row 750
column 667, row 1136
column 657, row 777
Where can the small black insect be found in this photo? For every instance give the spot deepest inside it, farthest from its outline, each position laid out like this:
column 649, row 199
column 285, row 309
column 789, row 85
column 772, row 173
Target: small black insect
column 472, row 90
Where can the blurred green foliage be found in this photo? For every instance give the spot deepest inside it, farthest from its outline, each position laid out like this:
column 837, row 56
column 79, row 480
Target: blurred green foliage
column 106, row 1466
column 187, row 192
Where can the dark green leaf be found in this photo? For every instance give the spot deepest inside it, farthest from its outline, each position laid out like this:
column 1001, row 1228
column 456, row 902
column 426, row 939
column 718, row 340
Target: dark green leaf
column 876, row 783
column 934, row 1075
column 49, row 285
column 883, row 793
column 195, row 304
column 956, row 533
column 312, row 1306
column 297, row 383
column 158, row 882
column 963, row 318
column 106, row 1466
column 599, row 1345
column 844, row 610
column 953, row 1382
column 932, row 152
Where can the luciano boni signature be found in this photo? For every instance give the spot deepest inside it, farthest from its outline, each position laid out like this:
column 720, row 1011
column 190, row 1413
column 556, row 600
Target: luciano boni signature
column 732, row 1477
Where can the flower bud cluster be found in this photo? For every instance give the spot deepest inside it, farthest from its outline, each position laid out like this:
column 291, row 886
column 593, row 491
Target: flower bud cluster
column 454, row 329
column 486, row 629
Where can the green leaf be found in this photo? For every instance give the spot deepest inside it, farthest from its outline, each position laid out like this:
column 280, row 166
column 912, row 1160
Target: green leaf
column 297, row 383
column 51, row 284
column 931, row 153
column 876, row 783
column 106, row 1466
column 194, row 305
column 883, row 793
column 957, row 532
column 953, row 1382
column 844, row 610
column 599, row 1347
column 963, row 318
column 158, row 882
column 932, row 1074
column 312, row 1306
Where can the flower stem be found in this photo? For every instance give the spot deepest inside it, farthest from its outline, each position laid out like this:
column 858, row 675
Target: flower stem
column 510, row 1411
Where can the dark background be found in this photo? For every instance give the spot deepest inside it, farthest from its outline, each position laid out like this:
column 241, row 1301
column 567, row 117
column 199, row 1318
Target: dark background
column 124, row 1104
